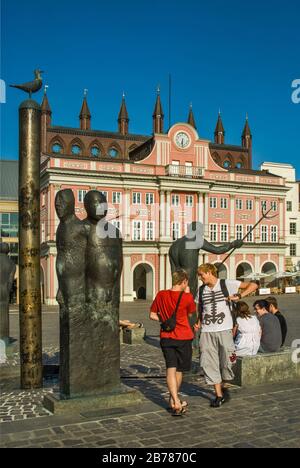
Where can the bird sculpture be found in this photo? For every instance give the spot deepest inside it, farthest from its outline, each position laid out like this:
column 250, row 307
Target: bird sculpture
column 32, row 86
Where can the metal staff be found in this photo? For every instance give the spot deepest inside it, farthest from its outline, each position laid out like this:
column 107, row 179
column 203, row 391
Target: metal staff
column 264, row 216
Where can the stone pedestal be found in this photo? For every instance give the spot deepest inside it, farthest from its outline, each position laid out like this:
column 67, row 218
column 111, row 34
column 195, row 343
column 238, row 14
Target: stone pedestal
column 89, row 351
column 118, row 398
column 134, row 335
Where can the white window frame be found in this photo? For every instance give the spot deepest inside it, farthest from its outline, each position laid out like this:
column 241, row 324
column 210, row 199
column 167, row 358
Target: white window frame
column 150, row 198
column 81, row 194
column 137, row 198
column 176, row 230
column 289, row 206
column 239, row 231
column 249, row 235
column 189, row 169
column 249, row 205
column 264, row 233
column 274, row 233
column 213, row 232
column 177, row 198
column 293, row 250
column 213, row 202
column 117, row 198
column 239, row 204
column 263, row 205
column 137, row 230
column 274, row 205
column 175, row 167
column 224, row 233
column 224, row 203
column 150, row 230
column 189, row 201
column 292, row 226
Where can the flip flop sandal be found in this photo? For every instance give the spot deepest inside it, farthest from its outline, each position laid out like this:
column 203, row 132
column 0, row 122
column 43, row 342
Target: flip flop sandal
column 184, row 404
column 178, row 412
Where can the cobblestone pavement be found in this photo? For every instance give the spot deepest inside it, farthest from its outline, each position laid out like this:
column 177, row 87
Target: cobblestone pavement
column 260, row 417
column 267, row 416
column 137, row 361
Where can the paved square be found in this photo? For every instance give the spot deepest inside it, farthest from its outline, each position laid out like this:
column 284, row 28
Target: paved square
column 265, row 416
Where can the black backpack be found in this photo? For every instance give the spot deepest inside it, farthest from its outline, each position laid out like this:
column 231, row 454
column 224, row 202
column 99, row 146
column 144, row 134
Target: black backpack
column 224, row 289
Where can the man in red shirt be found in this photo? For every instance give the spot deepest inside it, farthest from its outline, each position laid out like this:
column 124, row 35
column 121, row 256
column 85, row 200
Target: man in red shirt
column 176, row 344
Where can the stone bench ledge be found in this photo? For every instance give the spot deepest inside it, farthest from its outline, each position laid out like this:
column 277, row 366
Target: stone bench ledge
column 266, row 368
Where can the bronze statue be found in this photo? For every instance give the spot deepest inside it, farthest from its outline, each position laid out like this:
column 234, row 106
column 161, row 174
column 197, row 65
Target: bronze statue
column 184, row 252
column 104, row 253
column 89, row 266
column 104, row 261
column 71, row 242
column 32, row 86
column 7, row 274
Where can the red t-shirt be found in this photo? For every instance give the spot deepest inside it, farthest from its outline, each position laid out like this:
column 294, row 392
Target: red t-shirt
column 165, row 304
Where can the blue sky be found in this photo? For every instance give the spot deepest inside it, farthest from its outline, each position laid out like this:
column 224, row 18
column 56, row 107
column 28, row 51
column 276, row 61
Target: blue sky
column 240, row 57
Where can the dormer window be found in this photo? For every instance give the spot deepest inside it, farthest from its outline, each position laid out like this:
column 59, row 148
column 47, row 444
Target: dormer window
column 95, row 151
column 113, row 153
column 227, row 164
column 57, row 148
column 76, row 150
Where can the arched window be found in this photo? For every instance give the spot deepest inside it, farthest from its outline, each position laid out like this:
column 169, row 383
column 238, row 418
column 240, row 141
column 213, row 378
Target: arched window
column 76, row 149
column 95, row 151
column 57, row 148
column 113, row 153
column 239, row 165
column 227, row 164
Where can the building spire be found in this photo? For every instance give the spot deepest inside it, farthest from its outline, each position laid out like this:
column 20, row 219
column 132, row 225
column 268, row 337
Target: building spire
column 246, row 135
column 123, row 119
column 46, row 109
column 246, row 131
column 158, row 115
column 191, row 118
column 85, row 115
column 46, row 119
column 219, row 131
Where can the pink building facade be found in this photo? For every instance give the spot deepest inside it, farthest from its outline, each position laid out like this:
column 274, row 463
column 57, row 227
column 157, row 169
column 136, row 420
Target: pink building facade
column 169, row 181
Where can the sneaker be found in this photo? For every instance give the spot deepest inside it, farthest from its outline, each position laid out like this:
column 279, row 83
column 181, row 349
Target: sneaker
column 217, row 402
column 226, row 395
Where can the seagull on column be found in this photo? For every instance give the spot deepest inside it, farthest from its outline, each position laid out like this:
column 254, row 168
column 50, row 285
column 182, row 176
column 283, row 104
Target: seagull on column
column 32, row 86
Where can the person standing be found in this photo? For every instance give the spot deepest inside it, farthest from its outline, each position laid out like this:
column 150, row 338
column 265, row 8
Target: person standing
column 273, row 309
column 176, row 344
column 271, row 338
column 216, row 322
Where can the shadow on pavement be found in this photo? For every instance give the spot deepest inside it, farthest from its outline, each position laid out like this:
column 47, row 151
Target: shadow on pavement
column 157, row 392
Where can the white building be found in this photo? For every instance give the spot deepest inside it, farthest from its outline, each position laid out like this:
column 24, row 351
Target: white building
column 292, row 209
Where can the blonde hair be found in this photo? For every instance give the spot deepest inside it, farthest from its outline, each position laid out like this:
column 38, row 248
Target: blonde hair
column 179, row 276
column 208, row 268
